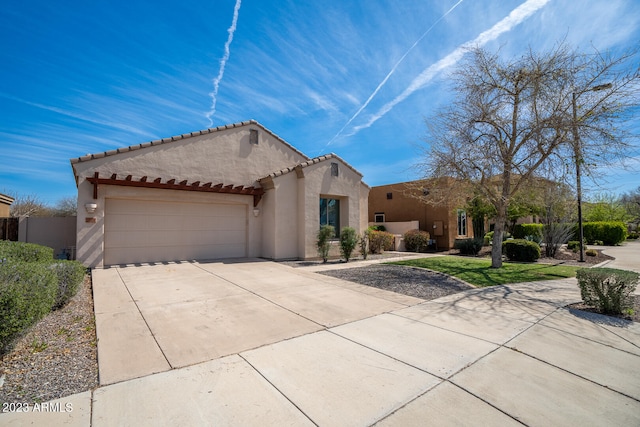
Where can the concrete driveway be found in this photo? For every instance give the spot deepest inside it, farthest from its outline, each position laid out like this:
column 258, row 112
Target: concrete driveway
column 259, row 343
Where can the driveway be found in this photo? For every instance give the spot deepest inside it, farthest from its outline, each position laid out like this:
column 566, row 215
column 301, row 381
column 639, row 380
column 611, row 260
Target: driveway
column 153, row 318
column 259, row 343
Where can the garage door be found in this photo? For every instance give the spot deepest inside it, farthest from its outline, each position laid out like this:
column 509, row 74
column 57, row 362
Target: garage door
column 148, row 231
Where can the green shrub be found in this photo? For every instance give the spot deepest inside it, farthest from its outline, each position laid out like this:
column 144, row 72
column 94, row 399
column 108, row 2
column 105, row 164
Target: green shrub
column 323, row 243
column 573, row 245
column 27, row 293
column 416, row 240
column 521, row 231
column 377, row 228
column 380, row 241
column 468, row 246
column 521, row 250
column 608, row 232
column 633, row 235
column 591, row 252
column 489, row 237
column 26, row 252
column 348, row 242
column 607, row 289
column 70, row 275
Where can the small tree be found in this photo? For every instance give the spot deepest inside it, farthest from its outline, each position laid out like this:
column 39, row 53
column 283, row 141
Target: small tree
column 511, row 119
column 364, row 243
column 323, row 243
column 348, row 242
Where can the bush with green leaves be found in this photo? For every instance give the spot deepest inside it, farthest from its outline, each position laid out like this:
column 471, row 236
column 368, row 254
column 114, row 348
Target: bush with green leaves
column 27, row 293
column 533, row 231
column 323, row 242
column 607, row 289
column 610, row 233
column 591, row 252
column 26, row 252
column 348, row 242
column 380, row 241
column 378, row 228
column 573, row 245
column 416, row 240
column 468, row 246
column 488, row 238
column 521, row 250
column 633, row 235
column 70, row 275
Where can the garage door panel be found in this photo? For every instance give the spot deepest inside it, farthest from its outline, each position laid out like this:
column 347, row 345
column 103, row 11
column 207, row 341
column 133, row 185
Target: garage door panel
column 146, row 231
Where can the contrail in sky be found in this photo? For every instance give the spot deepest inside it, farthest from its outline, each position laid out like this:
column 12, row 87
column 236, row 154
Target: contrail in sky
column 223, row 62
column 382, row 83
column 516, row 16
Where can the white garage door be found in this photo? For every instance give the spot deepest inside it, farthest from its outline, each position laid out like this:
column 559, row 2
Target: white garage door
column 148, row 231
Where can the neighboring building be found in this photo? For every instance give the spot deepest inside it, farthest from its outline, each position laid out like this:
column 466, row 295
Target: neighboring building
column 402, row 202
column 233, row 191
column 5, row 205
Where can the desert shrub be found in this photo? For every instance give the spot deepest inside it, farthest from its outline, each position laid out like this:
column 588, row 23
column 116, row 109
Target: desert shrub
column 323, row 242
column 591, row 252
column 521, row 250
column 27, row 293
column 609, row 232
column 416, row 240
column 348, row 242
column 70, row 275
column 26, row 252
column 380, row 241
column 554, row 235
column 521, row 231
column 468, row 246
column 363, row 242
column 607, row 289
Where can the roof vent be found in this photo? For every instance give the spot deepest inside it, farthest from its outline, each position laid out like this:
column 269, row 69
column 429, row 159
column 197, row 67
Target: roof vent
column 253, row 136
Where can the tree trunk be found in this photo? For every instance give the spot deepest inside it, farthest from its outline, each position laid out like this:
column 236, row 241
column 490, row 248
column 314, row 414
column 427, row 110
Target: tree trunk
column 496, row 247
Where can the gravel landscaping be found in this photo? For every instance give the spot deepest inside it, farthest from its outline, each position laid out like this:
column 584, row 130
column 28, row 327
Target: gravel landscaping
column 57, row 357
column 415, row 282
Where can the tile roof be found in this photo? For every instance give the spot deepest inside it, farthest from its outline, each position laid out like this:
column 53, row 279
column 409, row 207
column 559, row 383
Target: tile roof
column 309, row 163
column 181, row 137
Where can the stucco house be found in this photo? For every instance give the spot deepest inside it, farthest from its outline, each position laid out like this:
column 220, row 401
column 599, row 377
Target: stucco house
column 233, row 191
column 405, row 201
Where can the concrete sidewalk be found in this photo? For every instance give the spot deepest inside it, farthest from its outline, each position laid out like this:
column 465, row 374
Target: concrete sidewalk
column 284, row 346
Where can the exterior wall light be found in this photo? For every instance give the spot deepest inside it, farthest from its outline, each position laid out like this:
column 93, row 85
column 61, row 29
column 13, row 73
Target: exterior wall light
column 256, row 212
column 90, row 207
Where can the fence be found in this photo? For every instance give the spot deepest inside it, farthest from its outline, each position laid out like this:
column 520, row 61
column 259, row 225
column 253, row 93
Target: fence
column 58, row 233
column 9, row 229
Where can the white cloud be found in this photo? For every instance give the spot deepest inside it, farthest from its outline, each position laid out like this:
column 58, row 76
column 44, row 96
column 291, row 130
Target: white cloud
column 518, row 15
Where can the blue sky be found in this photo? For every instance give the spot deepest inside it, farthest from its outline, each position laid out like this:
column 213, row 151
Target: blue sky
column 352, row 77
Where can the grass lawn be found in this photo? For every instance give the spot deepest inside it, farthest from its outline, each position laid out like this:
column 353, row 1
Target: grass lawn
column 479, row 272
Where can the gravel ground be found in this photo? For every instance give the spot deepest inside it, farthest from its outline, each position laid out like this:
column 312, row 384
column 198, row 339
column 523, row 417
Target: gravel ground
column 56, row 358
column 416, row 282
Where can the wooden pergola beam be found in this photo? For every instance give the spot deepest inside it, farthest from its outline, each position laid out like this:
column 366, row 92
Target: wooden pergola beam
column 128, row 181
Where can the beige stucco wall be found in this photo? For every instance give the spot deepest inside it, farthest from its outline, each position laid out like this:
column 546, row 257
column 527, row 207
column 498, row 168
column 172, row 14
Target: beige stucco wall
column 319, row 183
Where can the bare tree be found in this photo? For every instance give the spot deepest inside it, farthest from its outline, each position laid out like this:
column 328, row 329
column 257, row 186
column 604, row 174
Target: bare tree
column 631, row 202
column 511, row 120
column 28, row 205
column 67, row 206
